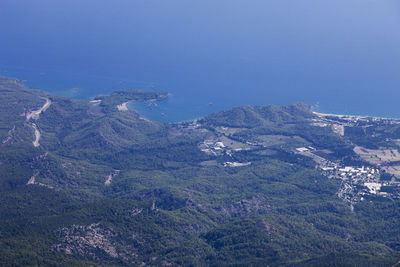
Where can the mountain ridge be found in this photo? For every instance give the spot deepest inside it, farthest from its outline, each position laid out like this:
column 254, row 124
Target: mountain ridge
column 265, row 186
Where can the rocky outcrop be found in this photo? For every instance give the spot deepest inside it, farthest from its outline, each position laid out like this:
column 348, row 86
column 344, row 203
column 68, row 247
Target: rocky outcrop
column 90, row 241
column 245, row 207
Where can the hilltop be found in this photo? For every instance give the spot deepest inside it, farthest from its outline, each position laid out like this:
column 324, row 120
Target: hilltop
column 92, row 183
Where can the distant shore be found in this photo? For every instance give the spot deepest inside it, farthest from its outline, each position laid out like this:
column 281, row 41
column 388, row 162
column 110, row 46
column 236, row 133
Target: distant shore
column 123, row 106
column 352, row 116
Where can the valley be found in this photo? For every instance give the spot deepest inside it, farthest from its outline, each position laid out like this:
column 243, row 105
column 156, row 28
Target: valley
column 91, row 182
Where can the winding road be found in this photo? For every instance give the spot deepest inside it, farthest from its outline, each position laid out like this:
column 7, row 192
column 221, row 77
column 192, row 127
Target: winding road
column 35, row 115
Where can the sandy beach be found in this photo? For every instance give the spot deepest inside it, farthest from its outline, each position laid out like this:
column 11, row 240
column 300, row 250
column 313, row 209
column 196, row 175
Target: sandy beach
column 123, row 106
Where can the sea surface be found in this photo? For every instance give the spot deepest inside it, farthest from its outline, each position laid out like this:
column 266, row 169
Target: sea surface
column 340, row 56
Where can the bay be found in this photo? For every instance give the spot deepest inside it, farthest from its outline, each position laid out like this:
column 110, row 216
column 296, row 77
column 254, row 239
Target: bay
column 338, row 56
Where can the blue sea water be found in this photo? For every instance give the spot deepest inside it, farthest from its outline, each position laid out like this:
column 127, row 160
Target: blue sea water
column 339, row 56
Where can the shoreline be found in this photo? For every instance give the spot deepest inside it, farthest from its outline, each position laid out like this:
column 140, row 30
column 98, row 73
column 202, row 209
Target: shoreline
column 320, row 114
column 123, row 106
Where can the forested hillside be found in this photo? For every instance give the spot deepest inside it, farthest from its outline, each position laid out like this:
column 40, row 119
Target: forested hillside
column 89, row 183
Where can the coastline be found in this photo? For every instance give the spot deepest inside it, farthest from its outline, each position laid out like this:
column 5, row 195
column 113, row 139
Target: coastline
column 320, row 114
column 123, row 106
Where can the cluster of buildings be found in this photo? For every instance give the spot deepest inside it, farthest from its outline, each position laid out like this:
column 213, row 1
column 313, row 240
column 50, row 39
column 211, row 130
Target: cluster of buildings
column 218, row 148
column 236, row 164
column 305, row 149
column 356, row 174
column 356, row 182
column 212, row 147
